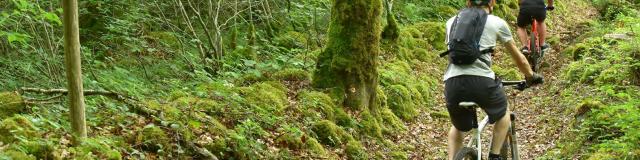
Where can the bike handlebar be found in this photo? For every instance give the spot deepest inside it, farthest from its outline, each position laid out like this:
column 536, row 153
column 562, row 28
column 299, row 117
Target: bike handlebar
column 519, row 85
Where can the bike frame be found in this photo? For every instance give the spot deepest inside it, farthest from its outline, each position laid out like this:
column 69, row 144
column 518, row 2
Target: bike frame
column 477, row 130
column 477, row 138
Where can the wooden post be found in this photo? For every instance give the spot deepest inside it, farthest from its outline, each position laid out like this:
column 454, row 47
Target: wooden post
column 74, row 71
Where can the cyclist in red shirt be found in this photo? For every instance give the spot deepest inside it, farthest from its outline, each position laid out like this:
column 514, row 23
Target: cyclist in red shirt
column 529, row 10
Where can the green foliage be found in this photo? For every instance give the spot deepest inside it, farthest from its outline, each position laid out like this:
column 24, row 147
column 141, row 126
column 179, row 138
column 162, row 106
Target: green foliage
column 154, row 139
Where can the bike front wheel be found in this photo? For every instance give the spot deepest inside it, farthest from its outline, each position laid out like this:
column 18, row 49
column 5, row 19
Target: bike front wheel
column 466, row 153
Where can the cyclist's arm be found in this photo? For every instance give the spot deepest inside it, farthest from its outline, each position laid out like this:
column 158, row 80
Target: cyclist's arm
column 518, row 58
column 549, row 2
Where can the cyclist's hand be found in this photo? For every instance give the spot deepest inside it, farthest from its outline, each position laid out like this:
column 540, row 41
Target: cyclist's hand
column 550, row 8
column 534, row 80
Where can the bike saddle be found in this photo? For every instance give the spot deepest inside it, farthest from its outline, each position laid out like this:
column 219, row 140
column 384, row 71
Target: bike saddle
column 468, row 104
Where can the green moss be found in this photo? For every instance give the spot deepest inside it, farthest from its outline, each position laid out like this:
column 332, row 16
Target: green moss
column 314, row 147
column 292, row 39
column 615, row 74
column 586, row 106
column 98, row 148
column 433, row 33
column 292, row 74
column 399, row 155
column 153, row 138
column 440, row 115
column 391, row 31
column 370, row 125
column 509, row 73
column 219, row 146
column 392, row 124
column 40, row 148
column 16, row 127
column 291, row 140
column 329, row 133
column 16, row 155
column 316, row 105
column 395, row 72
column 348, row 64
column 355, row 151
column 343, row 119
column 10, row 103
column 400, row 102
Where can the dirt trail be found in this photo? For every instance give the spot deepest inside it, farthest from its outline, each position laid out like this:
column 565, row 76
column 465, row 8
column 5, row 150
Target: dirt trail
column 541, row 118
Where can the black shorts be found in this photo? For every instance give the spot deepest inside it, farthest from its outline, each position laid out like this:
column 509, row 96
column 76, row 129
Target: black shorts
column 486, row 92
column 527, row 14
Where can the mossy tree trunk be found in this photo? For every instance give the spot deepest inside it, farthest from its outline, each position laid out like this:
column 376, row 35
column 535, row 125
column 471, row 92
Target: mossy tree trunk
column 348, row 64
column 74, row 72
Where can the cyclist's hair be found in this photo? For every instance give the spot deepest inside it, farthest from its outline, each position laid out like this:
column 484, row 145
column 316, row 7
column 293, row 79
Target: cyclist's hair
column 480, row 2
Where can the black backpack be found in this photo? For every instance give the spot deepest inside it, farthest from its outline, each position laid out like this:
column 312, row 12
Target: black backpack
column 464, row 37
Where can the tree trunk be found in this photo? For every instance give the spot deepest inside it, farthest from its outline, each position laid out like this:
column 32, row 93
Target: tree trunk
column 74, row 72
column 347, row 66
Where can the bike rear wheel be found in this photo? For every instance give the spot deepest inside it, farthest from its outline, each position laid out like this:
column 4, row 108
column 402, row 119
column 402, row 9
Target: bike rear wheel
column 466, row 153
column 533, row 56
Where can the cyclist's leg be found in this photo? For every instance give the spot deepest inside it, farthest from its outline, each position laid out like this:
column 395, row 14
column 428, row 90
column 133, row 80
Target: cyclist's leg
column 500, row 130
column 454, row 142
column 541, row 15
column 524, row 20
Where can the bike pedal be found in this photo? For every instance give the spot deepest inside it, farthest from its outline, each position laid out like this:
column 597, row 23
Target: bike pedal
column 513, row 116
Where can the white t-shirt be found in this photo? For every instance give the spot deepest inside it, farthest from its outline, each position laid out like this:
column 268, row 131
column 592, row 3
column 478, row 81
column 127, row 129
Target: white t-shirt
column 495, row 30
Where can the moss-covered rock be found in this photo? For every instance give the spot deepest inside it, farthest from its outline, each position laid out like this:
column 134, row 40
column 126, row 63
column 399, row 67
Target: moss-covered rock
column 292, row 74
column 266, row 102
column 391, row 123
column 329, row 133
column 314, row 147
column 291, row 140
column 16, row 127
column 586, row 106
column 400, row 102
column 343, row 119
column 355, row 151
column 370, row 126
column 10, row 103
column 316, row 105
column 153, row 138
column 433, row 33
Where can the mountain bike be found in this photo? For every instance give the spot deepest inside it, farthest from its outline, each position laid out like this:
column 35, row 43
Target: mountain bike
column 535, row 47
column 473, row 149
column 536, row 53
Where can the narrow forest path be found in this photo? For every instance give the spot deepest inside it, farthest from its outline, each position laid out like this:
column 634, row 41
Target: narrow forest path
column 542, row 120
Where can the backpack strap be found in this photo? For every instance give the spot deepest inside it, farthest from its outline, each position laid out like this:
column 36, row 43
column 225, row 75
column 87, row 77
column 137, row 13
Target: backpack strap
column 455, row 23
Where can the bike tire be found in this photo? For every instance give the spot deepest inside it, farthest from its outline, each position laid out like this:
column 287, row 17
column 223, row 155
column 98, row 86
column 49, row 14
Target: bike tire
column 533, row 48
column 466, row 153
